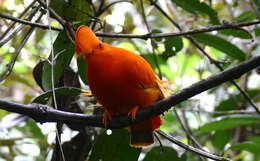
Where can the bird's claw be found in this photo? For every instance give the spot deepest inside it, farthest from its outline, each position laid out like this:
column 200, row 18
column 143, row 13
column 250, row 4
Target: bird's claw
column 106, row 116
column 133, row 112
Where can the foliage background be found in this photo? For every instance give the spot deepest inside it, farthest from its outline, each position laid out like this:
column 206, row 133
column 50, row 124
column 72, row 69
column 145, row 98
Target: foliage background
column 221, row 119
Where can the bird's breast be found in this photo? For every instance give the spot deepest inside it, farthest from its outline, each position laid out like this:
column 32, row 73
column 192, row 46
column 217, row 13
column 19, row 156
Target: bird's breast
column 114, row 86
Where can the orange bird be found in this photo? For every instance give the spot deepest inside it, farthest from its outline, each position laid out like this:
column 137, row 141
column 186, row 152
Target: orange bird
column 122, row 81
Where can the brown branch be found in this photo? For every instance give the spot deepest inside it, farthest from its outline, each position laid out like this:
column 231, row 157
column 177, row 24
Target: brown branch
column 53, row 13
column 182, row 33
column 67, row 26
column 10, row 65
column 19, row 28
column 144, row 36
column 13, row 23
column 42, row 113
column 45, row 27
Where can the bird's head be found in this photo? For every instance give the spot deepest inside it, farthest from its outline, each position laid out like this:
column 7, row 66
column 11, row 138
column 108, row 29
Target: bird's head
column 85, row 41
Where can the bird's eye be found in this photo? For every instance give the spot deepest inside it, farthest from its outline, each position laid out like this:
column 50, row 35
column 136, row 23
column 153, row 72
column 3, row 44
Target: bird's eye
column 100, row 46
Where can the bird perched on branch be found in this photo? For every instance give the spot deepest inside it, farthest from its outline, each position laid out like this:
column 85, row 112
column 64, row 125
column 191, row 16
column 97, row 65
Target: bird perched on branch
column 122, row 81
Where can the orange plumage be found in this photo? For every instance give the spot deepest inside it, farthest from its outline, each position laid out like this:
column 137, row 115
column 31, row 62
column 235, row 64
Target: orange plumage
column 122, row 82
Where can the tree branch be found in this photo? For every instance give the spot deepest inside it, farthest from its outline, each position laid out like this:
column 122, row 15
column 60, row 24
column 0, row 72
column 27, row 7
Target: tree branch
column 10, row 65
column 20, row 27
column 13, row 23
column 152, row 42
column 67, row 26
column 190, row 148
column 215, row 62
column 45, row 27
column 182, row 33
column 43, row 113
column 144, row 36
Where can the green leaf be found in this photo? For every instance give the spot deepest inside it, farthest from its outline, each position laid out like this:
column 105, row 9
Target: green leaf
column 246, row 16
column 73, row 10
column 237, row 33
column 63, row 91
column 129, row 22
column 230, row 121
column 37, row 73
column 197, row 7
column 114, row 147
column 157, row 31
column 221, row 44
column 186, row 63
column 36, row 131
column 247, row 145
column 220, row 139
column 172, row 46
column 257, row 31
column 169, row 154
column 82, row 69
column 65, row 49
column 255, row 139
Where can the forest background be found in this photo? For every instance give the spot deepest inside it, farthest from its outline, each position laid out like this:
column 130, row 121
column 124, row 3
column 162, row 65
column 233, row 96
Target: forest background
column 185, row 41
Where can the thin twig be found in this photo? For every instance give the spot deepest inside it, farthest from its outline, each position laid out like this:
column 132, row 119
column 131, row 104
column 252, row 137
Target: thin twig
column 211, row 60
column 58, row 134
column 46, row 27
column 13, row 23
column 190, row 148
column 10, row 65
column 182, row 33
column 144, row 36
column 187, row 132
column 160, row 143
column 180, row 29
column 66, row 25
column 152, row 40
column 153, row 2
column 215, row 62
column 194, row 141
column 221, row 68
column 255, row 8
column 102, row 10
column 20, row 27
column 232, row 112
column 52, row 12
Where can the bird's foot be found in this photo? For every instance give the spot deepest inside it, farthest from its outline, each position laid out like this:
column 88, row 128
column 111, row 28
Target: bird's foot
column 106, row 116
column 133, row 112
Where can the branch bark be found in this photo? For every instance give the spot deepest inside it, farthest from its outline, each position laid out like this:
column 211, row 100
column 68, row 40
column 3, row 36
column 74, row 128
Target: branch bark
column 43, row 113
column 144, row 36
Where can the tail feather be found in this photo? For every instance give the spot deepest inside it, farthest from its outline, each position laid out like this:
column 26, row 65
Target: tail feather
column 141, row 139
column 142, row 134
column 166, row 92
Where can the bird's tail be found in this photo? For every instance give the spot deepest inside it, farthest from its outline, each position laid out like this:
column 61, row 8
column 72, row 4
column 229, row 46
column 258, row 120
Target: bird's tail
column 142, row 134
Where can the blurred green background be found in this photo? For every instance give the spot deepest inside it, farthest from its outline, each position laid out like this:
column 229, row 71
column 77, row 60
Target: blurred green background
column 221, row 119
